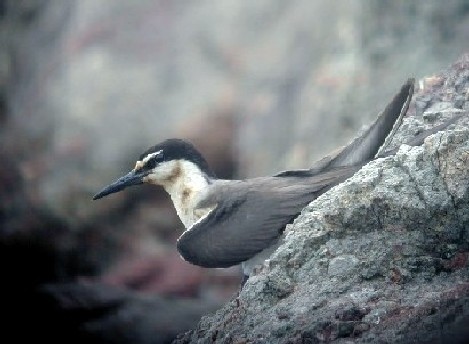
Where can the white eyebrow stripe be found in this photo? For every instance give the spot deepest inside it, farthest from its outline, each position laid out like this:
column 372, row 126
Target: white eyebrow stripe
column 151, row 155
column 140, row 163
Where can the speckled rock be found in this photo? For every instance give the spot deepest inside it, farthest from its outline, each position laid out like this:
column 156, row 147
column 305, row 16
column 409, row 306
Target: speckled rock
column 382, row 257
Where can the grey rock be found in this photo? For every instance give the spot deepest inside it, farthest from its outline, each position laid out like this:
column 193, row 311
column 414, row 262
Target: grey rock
column 375, row 316
column 343, row 265
column 459, row 102
column 383, row 257
column 431, row 114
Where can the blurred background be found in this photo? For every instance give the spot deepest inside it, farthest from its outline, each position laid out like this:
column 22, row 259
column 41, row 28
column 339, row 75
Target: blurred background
column 86, row 86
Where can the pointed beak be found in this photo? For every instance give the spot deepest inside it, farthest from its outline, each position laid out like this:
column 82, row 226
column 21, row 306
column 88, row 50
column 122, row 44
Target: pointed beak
column 131, row 178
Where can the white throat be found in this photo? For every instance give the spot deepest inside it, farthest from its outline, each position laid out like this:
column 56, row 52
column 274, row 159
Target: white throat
column 186, row 184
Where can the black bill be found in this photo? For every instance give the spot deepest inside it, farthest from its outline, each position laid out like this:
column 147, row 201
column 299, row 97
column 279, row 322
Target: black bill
column 131, row 178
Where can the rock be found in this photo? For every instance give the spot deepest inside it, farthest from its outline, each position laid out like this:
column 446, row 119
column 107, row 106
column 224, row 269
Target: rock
column 383, row 257
column 342, row 265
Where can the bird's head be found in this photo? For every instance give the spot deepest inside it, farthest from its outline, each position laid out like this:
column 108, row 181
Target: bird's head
column 162, row 164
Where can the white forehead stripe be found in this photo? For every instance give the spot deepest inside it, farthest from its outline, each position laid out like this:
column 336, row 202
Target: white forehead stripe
column 140, row 163
column 151, row 155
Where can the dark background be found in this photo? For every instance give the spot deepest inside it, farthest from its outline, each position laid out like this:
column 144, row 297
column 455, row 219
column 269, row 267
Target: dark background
column 86, row 86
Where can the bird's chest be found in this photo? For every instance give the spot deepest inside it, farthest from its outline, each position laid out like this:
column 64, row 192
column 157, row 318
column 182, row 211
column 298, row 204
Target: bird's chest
column 185, row 204
column 186, row 192
column 189, row 216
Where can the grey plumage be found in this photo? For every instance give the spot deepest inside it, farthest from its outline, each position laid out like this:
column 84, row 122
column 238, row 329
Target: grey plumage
column 240, row 221
column 249, row 215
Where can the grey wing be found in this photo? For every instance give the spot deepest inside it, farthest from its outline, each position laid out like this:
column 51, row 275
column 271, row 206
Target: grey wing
column 235, row 231
column 248, row 221
column 376, row 138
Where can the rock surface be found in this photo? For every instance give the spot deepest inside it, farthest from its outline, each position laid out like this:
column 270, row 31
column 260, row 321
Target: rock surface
column 382, row 257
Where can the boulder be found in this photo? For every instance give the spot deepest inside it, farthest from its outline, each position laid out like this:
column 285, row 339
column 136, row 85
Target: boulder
column 383, row 257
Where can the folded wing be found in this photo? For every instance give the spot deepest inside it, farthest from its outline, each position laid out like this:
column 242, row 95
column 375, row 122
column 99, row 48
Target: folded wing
column 250, row 215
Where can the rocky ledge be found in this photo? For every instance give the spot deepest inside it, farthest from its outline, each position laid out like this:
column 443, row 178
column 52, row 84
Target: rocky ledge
column 382, row 257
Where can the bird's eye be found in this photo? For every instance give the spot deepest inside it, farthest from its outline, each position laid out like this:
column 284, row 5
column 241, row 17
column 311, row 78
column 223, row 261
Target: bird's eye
column 151, row 163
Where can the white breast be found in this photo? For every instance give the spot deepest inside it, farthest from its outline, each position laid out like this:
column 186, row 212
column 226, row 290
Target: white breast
column 187, row 189
column 189, row 216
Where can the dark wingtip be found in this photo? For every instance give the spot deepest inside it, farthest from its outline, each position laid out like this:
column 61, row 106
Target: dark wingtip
column 410, row 84
column 378, row 135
